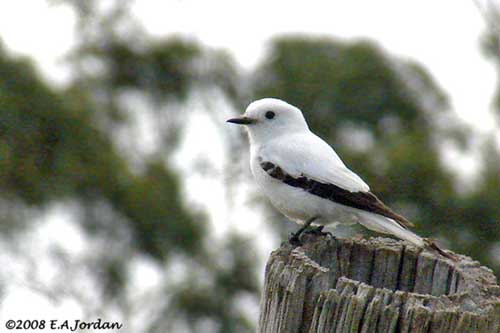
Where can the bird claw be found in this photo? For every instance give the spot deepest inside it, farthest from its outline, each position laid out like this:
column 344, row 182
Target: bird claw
column 294, row 239
column 318, row 231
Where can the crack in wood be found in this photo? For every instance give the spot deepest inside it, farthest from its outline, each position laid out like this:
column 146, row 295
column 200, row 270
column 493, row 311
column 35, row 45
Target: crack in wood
column 376, row 285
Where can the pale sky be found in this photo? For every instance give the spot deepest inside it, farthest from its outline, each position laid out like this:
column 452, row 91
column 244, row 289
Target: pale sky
column 442, row 35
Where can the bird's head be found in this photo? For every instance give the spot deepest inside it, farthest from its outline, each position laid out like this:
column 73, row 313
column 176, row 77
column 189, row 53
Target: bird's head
column 268, row 118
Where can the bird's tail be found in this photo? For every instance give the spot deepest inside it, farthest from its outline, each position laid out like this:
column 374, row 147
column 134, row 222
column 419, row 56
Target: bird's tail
column 387, row 225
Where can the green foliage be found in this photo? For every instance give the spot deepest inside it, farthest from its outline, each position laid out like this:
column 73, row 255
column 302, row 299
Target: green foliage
column 223, row 285
column 357, row 80
column 491, row 43
column 43, row 140
column 59, row 145
column 164, row 69
column 481, row 210
column 152, row 204
column 53, row 150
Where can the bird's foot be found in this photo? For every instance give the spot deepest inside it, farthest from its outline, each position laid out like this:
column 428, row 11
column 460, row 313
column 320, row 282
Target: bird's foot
column 294, row 239
column 318, row 231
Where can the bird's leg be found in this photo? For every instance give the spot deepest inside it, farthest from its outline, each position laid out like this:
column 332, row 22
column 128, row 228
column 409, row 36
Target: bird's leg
column 295, row 237
column 319, row 231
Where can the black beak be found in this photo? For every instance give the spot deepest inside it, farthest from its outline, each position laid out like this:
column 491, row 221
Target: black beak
column 242, row 121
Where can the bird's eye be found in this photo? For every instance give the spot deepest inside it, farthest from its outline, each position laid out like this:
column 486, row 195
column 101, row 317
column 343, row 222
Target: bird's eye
column 270, row 114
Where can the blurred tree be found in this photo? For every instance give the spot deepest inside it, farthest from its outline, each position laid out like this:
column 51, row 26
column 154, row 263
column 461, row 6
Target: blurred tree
column 485, row 200
column 490, row 10
column 53, row 150
column 62, row 145
column 382, row 115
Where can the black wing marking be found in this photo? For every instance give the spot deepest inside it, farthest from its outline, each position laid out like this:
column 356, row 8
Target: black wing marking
column 366, row 201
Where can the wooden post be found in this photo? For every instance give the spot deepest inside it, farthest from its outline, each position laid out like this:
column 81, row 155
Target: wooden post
column 376, row 285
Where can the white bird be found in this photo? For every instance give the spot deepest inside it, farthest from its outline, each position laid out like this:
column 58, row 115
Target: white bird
column 306, row 180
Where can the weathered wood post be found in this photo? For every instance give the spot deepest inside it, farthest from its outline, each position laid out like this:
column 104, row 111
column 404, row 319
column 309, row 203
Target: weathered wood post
column 376, row 285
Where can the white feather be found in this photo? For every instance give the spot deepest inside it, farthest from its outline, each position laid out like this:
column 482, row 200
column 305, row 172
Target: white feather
column 306, row 154
column 386, row 225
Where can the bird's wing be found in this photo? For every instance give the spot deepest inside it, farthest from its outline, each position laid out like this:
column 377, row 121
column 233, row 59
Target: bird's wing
column 308, row 155
column 307, row 162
